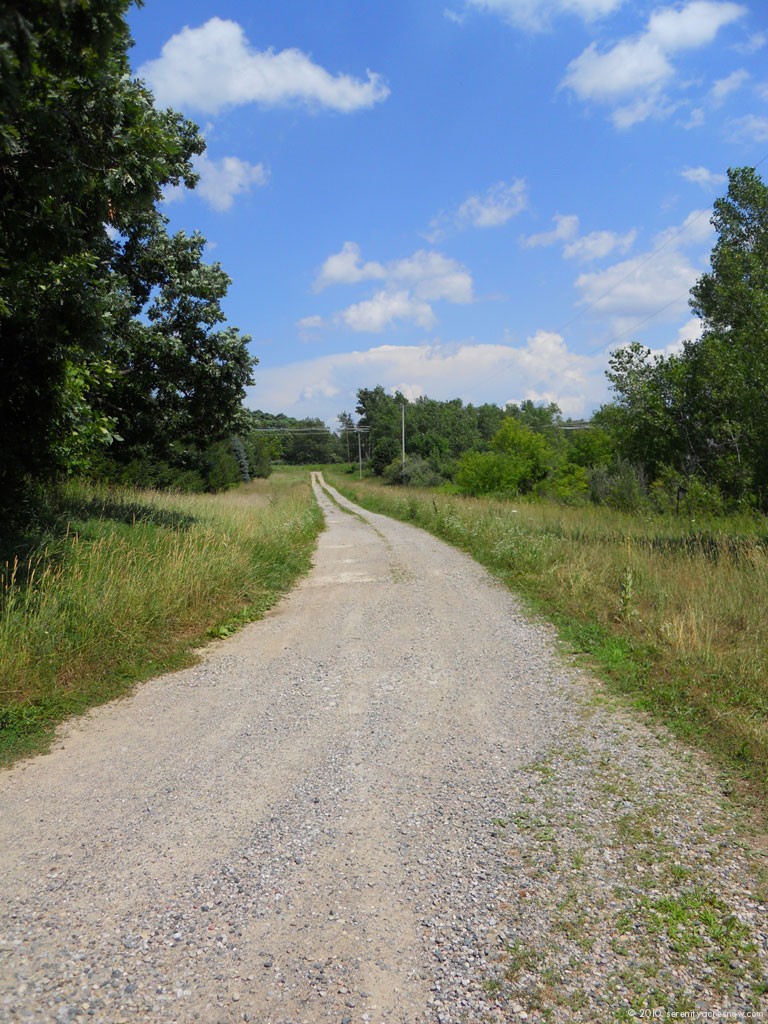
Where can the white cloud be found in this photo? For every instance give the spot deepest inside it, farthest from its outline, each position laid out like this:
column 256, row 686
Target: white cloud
column 701, row 176
column 541, row 368
column 632, row 65
column 387, row 307
column 696, row 120
column 652, row 284
column 222, row 180
column 632, row 74
column 598, row 244
column 433, row 276
column 347, row 267
column 410, row 285
column 566, row 228
column 594, row 246
column 748, row 129
column 723, row 87
column 690, row 331
column 309, row 326
column 536, row 15
column 492, row 209
column 499, row 204
column 214, row 66
column 691, row 26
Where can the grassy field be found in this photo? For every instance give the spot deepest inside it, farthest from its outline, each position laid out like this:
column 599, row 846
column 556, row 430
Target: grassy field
column 120, row 585
column 670, row 612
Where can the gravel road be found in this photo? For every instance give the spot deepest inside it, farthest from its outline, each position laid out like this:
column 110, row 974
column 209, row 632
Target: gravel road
column 390, row 801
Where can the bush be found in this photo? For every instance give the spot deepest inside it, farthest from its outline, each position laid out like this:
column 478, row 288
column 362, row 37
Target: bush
column 416, row 472
column 569, row 485
column 621, row 486
column 480, row 473
column 674, row 492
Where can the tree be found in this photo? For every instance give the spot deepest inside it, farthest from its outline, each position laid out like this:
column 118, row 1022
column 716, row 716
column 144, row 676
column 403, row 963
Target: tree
column 729, row 364
column 702, row 414
column 85, row 156
column 520, row 459
column 181, row 376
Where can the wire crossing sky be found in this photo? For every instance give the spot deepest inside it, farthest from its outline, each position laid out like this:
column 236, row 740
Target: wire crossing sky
column 473, row 199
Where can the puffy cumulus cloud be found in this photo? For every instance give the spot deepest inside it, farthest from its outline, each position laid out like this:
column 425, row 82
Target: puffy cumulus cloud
column 491, row 209
column 537, row 15
column 594, row 246
column 632, row 74
column 222, row 180
column 702, row 176
column 409, row 286
column 431, row 275
column 566, row 228
column 542, row 368
column 652, row 284
column 347, row 267
column 632, row 65
column 690, row 331
column 214, row 66
column 372, row 315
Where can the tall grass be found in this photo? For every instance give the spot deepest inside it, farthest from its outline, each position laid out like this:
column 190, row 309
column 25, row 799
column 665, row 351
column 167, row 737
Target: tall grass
column 673, row 612
column 125, row 583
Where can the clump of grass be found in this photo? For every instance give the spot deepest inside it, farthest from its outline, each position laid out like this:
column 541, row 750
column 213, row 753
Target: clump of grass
column 672, row 611
column 127, row 584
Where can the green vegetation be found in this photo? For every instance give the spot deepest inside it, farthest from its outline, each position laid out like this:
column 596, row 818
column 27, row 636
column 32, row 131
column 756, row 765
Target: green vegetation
column 671, row 610
column 112, row 331
column 117, row 585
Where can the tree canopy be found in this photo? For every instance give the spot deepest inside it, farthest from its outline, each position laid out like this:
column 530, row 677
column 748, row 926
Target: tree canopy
column 701, row 414
column 108, row 326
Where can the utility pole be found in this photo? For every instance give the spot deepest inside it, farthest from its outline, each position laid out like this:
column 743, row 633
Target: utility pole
column 402, row 410
column 359, row 454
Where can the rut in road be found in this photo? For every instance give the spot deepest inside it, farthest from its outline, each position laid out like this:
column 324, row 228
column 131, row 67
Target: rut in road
column 300, row 827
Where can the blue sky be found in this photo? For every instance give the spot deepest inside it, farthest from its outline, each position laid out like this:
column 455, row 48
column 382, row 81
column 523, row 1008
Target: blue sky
column 459, row 198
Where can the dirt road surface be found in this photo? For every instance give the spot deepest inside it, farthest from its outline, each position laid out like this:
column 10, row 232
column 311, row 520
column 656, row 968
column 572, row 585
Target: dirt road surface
column 323, row 820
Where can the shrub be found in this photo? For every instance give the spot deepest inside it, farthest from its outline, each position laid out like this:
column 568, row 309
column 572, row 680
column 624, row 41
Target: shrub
column 621, row 486
column 416, row 472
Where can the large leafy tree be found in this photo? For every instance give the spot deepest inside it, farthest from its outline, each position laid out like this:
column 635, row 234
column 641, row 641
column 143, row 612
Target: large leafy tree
column 180, row 374
column 702, row 413
column 729, row 364
column 84, row 156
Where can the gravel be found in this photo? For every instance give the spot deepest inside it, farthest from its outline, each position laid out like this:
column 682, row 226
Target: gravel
column 391, row 801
